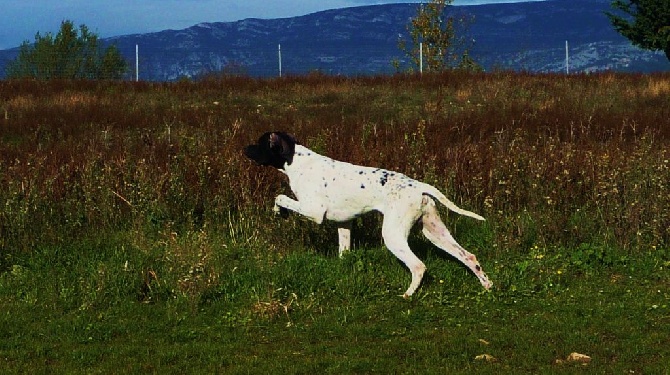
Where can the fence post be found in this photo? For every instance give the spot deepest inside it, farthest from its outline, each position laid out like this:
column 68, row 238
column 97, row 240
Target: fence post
column 421, row 57
column 279, row 53
column 137, row 63
column 567, row 59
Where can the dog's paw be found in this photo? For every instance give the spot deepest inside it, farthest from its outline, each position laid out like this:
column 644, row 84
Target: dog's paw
column 280, row 211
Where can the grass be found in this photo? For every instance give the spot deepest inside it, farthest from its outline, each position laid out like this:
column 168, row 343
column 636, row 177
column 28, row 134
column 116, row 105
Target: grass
column 135, row 237
column 305, row 313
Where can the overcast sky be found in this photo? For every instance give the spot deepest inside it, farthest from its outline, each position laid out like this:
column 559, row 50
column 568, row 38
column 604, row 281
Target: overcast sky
column 22, row 19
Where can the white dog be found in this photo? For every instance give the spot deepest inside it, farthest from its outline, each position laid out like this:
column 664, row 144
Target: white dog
column 339, row 191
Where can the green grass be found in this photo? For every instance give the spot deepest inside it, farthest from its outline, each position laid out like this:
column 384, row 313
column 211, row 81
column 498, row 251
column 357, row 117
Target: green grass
column 135, row 237
column 91, row 307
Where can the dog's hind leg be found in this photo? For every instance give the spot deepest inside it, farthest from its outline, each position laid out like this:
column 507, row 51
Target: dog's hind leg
column 435, row 230
column 395, row 234
column 344, row 236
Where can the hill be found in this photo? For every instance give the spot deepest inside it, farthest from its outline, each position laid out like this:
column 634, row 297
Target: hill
column 364, row 40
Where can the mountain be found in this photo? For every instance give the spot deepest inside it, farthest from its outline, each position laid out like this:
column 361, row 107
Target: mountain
column 364, row 40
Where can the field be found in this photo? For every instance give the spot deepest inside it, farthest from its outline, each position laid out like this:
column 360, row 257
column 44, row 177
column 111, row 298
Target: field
column 135, row 236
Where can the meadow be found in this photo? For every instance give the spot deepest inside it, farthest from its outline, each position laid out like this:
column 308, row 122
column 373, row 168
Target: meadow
column 135, row 236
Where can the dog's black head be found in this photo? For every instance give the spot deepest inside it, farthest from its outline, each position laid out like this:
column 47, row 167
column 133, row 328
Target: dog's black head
column 275, row 149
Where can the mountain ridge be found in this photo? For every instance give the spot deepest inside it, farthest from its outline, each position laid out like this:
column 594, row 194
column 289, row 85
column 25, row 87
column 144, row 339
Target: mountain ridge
column 362, row 40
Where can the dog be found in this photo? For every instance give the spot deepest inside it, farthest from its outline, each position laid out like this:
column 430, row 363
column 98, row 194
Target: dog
column 328, row 189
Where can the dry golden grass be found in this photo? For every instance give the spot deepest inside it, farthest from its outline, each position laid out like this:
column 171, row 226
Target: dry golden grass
column 658, row 88
column 576, row 153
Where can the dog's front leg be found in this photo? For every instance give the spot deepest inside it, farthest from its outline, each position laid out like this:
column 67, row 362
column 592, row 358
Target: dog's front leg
column 315, row 212
column 281, row 211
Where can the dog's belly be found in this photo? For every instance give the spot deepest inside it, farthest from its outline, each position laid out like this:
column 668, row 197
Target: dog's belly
column 344, row 207
column 340, row 215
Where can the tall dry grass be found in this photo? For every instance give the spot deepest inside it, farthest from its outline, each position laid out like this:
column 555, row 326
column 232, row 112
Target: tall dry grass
column 551, row 159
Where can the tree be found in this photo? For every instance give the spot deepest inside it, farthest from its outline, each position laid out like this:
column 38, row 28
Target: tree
column 647, row 24
column 442, row 48
column 71, row 54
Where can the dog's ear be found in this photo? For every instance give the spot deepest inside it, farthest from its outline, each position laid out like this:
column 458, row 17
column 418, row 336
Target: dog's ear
column 283, row 145
column 274, row 149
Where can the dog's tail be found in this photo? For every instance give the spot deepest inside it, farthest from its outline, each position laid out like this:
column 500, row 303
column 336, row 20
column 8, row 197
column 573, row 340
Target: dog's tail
column 433, row 192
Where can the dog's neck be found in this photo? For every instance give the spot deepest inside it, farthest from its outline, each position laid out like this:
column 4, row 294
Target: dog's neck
column 302, row 151
column 305, row 161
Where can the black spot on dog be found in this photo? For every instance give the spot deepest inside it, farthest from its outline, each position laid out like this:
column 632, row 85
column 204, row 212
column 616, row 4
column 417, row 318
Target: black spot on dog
column 362, row 186
column 383, row 180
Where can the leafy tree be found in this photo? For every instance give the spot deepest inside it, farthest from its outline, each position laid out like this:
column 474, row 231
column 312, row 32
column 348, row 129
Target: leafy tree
column 71, row 54
column 442, row 47
column 647, row 23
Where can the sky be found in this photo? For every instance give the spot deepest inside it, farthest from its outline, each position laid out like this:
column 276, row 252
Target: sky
column 22, row 19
